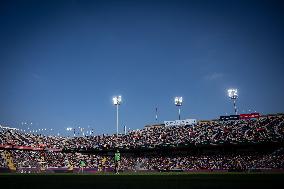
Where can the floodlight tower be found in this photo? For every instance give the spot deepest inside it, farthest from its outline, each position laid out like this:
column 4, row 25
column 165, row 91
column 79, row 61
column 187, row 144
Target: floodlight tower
column 178, row 103
column 233, row 94
column 116, row 101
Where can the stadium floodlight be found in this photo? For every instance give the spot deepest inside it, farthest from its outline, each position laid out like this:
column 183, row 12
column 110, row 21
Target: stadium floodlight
column 233, row 95
column 178, row 103
column 117, row 101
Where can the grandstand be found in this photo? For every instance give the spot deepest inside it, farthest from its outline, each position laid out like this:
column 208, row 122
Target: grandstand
column 254, row 144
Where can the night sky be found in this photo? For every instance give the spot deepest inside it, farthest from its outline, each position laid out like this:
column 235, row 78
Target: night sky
column 61, row 62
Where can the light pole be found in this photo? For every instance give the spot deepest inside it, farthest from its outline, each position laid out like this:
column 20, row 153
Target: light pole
column 178, row 103
column 116, row 101
column 233, row 94
column 125, row 129
column 92, row 133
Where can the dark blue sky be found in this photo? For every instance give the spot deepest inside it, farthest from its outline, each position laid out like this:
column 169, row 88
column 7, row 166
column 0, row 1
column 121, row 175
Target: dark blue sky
column 62, row 61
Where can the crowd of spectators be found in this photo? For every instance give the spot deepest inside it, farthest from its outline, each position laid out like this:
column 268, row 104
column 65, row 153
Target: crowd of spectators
column 264, row 129
column 250, row 131
column 2, row 159
column 249, row 160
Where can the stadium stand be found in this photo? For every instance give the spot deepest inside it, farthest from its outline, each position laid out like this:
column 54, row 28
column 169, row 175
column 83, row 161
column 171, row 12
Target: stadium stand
column 248, row 144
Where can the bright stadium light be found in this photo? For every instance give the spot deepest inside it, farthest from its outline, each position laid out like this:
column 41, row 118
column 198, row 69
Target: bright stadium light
column 117, row 101
column 178, row 103
column 233, row 95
